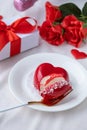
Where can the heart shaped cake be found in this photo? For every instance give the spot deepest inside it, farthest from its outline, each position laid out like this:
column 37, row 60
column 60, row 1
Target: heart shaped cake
column 52, row 83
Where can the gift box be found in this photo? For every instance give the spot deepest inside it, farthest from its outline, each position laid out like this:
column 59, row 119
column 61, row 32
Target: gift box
column 17, row 35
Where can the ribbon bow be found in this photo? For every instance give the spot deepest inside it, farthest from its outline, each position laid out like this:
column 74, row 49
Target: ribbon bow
column 8, row 33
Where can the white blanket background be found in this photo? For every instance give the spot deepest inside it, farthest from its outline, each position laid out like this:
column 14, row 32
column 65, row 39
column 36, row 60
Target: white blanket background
column 25, row 118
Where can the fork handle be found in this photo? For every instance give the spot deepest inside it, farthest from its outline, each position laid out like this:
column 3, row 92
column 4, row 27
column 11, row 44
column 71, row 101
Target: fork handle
column 11, row 108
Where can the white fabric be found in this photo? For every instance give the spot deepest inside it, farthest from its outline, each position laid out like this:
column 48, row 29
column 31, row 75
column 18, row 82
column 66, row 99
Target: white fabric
column 25, row 118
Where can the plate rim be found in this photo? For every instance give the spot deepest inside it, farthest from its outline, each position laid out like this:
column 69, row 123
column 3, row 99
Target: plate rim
column 44, row 53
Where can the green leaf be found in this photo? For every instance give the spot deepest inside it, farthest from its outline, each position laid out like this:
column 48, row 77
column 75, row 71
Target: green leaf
column 56, row 23
column 83, row 18
column 85, row 21
column 84, row 9
column 70, row 8
column 85, row 25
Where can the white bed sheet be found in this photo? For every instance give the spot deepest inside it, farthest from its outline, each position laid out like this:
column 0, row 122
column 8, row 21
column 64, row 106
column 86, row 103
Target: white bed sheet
column 25, row 118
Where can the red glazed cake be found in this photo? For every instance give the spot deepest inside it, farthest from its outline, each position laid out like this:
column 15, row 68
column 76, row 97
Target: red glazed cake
column 52, row 83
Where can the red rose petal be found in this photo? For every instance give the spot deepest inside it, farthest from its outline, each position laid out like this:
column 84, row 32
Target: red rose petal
column 78, row 55
column 52, row 12
column 1, row 17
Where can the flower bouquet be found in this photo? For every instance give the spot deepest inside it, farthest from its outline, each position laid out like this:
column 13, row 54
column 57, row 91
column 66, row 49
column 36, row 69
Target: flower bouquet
column 66, row 22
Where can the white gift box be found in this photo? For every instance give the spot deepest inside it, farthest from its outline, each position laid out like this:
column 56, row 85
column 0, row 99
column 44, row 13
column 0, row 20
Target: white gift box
column 28, row 41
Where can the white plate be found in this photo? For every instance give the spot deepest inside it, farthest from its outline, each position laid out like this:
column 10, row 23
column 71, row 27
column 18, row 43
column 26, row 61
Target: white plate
column 21, row 80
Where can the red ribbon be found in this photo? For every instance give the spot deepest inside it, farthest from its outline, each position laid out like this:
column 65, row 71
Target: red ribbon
column 8, row 33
